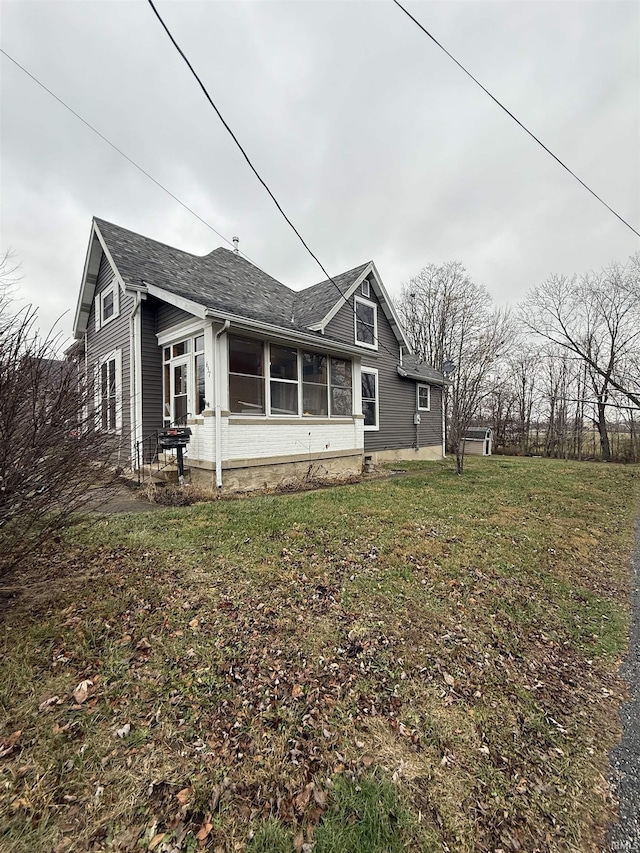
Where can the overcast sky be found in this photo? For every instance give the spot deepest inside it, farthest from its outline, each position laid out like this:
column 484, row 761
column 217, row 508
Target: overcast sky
column 376, row 144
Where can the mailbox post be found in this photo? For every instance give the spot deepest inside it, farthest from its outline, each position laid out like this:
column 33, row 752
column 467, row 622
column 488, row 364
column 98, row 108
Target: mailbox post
column 175, row 438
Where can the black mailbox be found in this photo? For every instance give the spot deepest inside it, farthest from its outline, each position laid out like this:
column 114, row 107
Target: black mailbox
column 173, row 437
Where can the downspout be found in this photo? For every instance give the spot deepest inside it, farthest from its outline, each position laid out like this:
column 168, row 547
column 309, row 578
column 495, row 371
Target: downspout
column 133, row 385
column 218, row 381
column 444, row 426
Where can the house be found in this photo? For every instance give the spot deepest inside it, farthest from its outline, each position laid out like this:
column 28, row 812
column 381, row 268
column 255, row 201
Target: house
column 478, row 441
column 273, row 383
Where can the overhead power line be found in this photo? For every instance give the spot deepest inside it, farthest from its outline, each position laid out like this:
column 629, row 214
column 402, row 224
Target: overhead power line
column 115, row 148
column 253, row 168
column 511, row 115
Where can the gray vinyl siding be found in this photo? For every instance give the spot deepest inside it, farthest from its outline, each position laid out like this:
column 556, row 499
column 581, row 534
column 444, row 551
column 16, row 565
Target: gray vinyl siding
column 113, row 335
column 397, row 401
column 169, row 315
column 152, row 402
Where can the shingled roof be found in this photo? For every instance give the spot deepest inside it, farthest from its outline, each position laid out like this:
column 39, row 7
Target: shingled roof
column 413, row 368
column 222, row 280
column 314, row 303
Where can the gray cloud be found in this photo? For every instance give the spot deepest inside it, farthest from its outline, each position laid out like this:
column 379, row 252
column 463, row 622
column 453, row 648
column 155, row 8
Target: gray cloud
column 375, row 143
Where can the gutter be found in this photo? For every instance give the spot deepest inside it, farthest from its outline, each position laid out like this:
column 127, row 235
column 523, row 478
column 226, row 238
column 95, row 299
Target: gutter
column 218, row 382
column 278, row 332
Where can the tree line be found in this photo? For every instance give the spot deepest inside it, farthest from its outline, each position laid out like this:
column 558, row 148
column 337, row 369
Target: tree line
column 558, row 375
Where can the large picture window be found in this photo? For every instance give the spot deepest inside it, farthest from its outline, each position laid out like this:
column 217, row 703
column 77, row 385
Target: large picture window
column 297, row 383
column 366, row 323
column 370, row 398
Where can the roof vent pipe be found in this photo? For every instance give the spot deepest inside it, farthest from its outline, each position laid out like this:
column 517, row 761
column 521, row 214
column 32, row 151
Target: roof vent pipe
column 236, row 240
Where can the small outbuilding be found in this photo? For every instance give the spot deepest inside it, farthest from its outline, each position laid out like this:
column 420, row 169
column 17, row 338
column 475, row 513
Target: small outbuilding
column 478, row 441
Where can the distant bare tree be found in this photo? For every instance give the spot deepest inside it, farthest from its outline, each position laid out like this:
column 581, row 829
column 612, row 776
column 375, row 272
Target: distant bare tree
column 51, row 453
column 447, row 316
column 596, row 317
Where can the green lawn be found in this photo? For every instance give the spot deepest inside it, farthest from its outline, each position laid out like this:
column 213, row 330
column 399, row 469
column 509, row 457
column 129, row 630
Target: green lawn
column 401, row 664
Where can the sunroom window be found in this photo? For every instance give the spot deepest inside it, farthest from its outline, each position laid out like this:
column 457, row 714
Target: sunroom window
column 341, row 394
column 246, row 376
column 284, row 380
column 315, row 399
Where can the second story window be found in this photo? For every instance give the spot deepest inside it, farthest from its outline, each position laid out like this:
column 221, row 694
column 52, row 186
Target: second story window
column 366, row 323
column 107, row 305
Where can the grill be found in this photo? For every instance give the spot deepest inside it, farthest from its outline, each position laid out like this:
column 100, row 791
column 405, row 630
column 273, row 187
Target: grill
column 174, row 437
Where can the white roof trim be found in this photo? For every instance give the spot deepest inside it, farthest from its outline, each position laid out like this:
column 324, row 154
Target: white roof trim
column 89, row 279
column 178, row 301
column 383, row 298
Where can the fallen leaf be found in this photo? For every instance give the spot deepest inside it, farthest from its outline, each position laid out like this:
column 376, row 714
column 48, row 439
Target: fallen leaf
column 450, row 680
column 124, row 731
column 205, row 829
column 298, row 841
column 82, row 691
column 51, row 700
column 367, row 760
column 143, row 645
column 302, row 800
column 157, row 839
column 184, row 795
column 320, row 797
column 7, row 744
column 297, row 691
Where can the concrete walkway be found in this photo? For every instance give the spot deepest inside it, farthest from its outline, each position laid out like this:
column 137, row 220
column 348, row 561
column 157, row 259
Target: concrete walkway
column 120, row 500
column 625, row 758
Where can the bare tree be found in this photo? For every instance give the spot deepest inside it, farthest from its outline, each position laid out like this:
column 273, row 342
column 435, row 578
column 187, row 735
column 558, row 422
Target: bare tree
column 51, row 453
column 596, row 318
column 447, row 316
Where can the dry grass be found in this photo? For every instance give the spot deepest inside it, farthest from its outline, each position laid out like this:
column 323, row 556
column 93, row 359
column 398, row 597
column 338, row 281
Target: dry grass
column 427, row 663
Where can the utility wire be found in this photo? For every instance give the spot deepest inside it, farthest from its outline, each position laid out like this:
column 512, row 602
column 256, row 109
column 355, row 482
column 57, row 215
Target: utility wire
column 126, row 157
column 253, row 168
column 511, row 115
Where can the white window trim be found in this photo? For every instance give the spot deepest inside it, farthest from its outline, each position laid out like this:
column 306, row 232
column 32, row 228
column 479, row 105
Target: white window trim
column 374, row 370
column 166, row 340
column 98, row 304
column 365, row 288
column 114, row 355
column 418, row 406
column 370, row 304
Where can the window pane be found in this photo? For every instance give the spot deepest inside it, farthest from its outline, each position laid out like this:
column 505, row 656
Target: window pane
column 369, row 383
column 284, row 398
column 167, row 353
column 107, row 305
column 284, row 363
column 181, row 348
column 369, row 412
column 365, row 313
column 423, row 397
column 246, row 395
column 112, row 376
column 245, row 356
column 112, row 413
column 200, row 405
column 341, row 372
column 198, row 343
column 180, row 409
column 180, row 379
column 368, row 386
column 104, row 383
column 314, row 399
column 314, row 367
column 364, row 333
column 341, row 401
column 167, row 391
